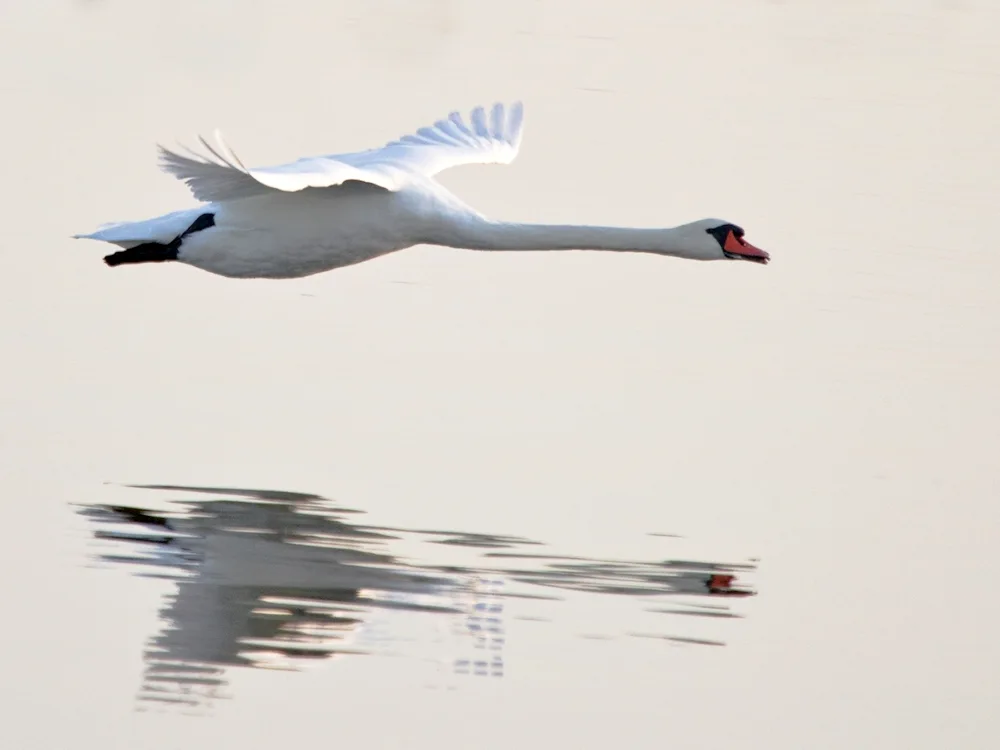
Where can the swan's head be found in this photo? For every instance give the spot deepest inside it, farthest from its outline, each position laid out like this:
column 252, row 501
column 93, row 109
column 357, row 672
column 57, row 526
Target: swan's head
column 716, row 239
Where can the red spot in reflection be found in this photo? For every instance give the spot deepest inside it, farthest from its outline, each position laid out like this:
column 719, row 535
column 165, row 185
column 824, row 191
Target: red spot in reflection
column 721, row 584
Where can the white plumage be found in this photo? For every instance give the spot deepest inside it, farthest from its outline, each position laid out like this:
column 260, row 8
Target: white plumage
column 447, row 143
column 323, row 212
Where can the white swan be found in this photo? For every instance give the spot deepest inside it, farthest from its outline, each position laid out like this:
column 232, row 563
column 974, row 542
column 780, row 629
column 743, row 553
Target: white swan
column 325, row 212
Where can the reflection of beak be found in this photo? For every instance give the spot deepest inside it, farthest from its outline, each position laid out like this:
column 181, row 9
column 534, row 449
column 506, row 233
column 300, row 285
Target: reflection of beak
column 740, row 250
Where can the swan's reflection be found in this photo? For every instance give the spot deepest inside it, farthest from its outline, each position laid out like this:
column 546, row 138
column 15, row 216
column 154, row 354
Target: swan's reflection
column 272, row 579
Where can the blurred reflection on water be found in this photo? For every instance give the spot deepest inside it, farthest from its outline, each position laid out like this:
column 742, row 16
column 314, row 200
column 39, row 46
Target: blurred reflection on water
column 272, row 579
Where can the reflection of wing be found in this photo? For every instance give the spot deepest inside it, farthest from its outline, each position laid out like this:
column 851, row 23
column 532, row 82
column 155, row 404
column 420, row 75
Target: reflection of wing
column 449, row 142
column 268, row 582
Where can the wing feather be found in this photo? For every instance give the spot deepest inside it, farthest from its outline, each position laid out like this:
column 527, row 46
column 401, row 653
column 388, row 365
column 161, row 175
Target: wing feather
column 449, row 142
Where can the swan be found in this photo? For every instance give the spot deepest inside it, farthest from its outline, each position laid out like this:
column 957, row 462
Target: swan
column 325, row 212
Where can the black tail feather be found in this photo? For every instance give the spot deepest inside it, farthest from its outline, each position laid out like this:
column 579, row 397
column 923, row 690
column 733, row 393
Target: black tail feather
column 147, row 252
column 156, row 252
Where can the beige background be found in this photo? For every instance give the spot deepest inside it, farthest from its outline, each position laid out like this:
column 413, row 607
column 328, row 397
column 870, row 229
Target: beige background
column 834, row 413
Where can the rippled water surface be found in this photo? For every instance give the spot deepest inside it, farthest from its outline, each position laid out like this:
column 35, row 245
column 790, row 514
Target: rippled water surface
column 512, row 500
column 281, row 579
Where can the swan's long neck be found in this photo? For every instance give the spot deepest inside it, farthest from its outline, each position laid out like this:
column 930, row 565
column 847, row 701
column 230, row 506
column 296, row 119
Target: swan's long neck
column 476, row 233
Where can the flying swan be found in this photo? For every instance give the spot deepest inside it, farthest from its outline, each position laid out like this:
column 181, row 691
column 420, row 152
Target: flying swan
column 326, row 212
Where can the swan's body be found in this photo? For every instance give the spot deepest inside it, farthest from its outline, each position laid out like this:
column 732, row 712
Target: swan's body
column 321, row 213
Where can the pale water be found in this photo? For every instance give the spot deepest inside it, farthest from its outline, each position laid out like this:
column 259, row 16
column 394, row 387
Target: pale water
column 454, row 499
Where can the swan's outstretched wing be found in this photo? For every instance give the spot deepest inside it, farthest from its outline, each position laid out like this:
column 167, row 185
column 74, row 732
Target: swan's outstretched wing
column 488, row 138
column 485, row 139
column 222, row 176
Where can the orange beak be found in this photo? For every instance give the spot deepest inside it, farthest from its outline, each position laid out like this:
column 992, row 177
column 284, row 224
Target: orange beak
column 737, row 248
